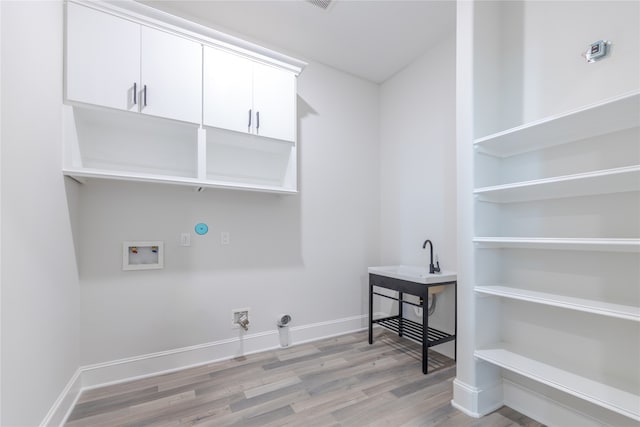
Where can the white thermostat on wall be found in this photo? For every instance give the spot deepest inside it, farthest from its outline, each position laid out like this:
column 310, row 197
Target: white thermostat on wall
column 596, row 51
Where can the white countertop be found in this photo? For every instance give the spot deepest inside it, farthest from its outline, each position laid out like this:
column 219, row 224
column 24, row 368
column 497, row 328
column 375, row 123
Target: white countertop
column 415, row 274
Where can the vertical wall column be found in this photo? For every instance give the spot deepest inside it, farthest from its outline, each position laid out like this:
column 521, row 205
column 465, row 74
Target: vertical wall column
column 477, row 388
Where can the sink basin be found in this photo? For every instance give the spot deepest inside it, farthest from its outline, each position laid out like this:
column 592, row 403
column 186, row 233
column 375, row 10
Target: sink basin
column 415, row 274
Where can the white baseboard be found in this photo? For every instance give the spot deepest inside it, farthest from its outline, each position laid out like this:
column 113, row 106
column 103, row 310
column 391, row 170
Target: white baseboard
column 117, row 371
column 145, row 365
column 476, row 402
column 63, row 405
column 550, row 411
column 541, row 408
column 332, row 328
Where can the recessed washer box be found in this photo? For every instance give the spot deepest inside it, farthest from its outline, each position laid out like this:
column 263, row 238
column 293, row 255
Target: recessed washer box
column 147, row 255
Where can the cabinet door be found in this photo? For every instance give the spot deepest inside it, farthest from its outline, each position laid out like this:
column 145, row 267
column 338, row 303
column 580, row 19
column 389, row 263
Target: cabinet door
column 227, row 96
column 171, row 76
column 103, row 58
column 274, row 100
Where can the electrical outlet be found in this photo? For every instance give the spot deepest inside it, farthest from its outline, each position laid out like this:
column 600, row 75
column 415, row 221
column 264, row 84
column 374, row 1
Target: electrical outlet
column 225, row 238
column 185, row 239
column 236, row 316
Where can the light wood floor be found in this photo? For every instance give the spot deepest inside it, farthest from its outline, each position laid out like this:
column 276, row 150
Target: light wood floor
column 341, row 381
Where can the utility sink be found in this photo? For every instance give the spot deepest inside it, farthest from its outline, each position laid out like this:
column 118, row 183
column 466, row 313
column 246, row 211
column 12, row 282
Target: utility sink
column 415, row 274
column 401, row 281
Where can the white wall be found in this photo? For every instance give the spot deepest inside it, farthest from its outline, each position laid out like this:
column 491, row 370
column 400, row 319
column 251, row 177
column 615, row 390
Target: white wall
column 529, row 64
column 498, row 65
column 417, row 167
column 306, row 255
column 417, row 152
column 554, row 34
column 40, row 292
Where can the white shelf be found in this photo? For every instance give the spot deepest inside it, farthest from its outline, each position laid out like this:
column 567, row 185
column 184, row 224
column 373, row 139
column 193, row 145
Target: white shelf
column 576, row 244
column 590, row 306
column 606, row 396
column 607, row 181
column 598, row 119
column 164, row 179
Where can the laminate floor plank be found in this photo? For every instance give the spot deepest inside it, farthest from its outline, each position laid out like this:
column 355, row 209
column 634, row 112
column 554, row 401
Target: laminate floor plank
column 437, row 398
column 422, row 383
column 99, row 420
column 289, row 363
column 327, row 403
column 295, row 352
column 254, row 380
column 341, row 381
column 156, row 380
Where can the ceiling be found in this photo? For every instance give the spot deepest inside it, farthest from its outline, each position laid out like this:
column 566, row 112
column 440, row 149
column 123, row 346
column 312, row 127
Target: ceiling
column 372, row 39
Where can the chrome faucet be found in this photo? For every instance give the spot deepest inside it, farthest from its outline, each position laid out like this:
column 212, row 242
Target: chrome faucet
column 432, row 268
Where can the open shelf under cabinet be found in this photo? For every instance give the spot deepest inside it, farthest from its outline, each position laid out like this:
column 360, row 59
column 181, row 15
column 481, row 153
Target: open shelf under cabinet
column 108, row 144
column 83, row 173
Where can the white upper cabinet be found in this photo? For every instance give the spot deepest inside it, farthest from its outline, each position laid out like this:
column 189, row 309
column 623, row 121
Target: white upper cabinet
column 171, row 76
column 177, row 102
column 247, row 96
column 274, row 93
column 113, row 62
column 228, row 90
column 103, row 58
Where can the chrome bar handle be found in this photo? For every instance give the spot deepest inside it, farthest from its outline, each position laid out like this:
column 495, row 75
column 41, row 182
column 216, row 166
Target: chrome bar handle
column 249, row 125
column 135, row 92
column 144, row 100
column 257, row 120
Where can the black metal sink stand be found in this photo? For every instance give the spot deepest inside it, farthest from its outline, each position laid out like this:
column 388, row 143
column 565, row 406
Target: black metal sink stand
column 423, row 334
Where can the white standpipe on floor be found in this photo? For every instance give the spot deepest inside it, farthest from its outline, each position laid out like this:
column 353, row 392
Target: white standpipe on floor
column 283, row 329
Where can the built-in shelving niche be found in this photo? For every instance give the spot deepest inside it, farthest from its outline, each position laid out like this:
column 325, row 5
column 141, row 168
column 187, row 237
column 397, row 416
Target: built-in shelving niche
column 603, row 118
column 607, row 219
column 584, row 362
column 557, row 250
column 598, row 281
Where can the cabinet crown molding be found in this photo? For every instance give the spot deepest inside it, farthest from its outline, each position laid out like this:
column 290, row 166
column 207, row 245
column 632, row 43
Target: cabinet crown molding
column 149, row 16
